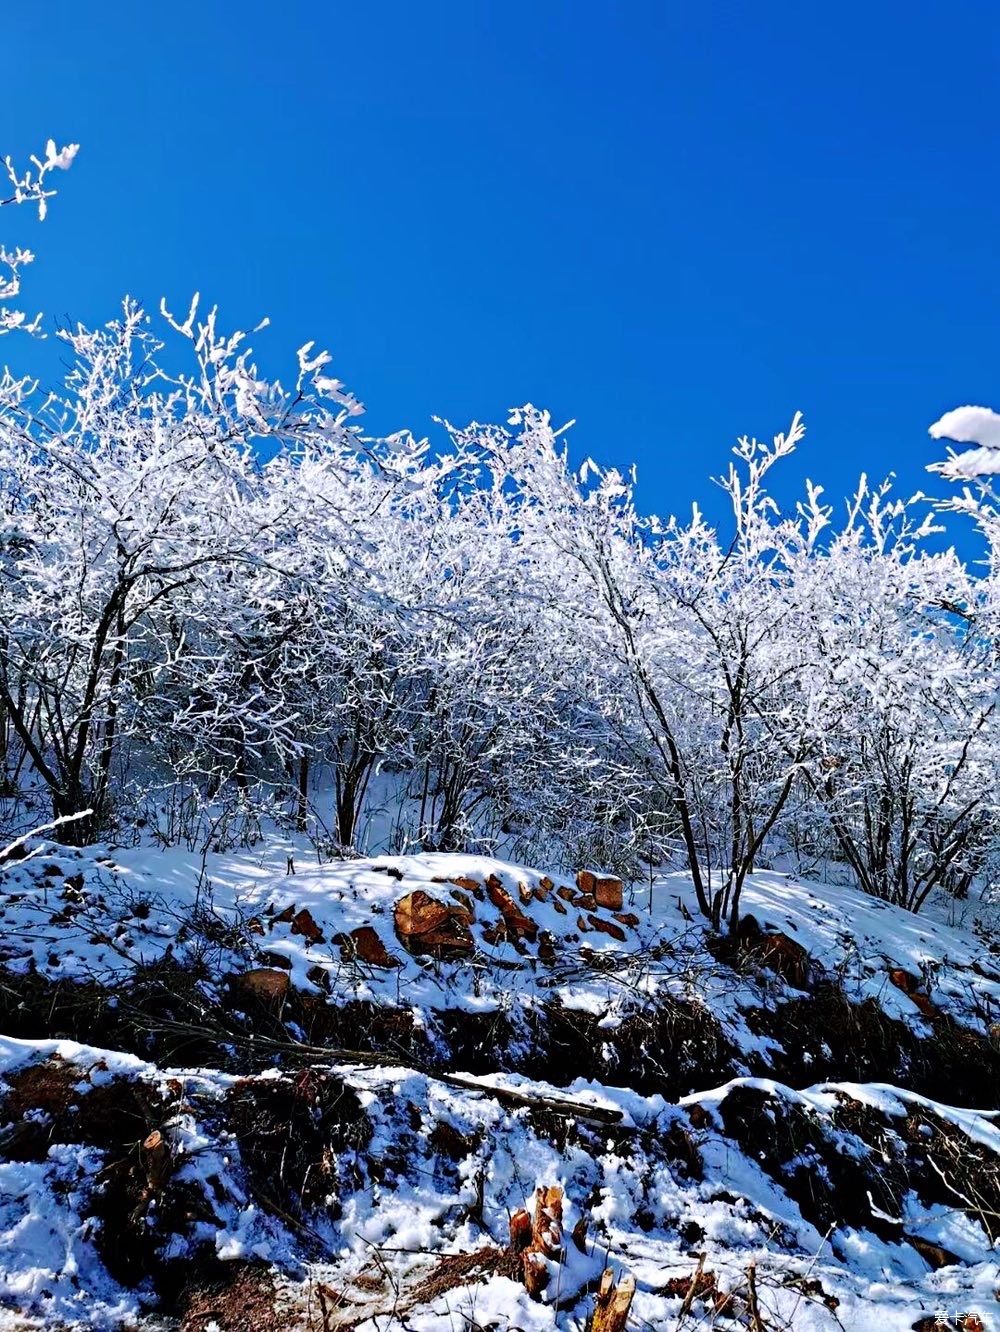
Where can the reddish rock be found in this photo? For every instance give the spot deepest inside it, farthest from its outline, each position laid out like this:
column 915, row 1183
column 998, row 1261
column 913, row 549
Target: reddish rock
column 364, row 943
column 559, row 906
column 546, row 948
column 519, row 926
column 276, row 960
column 608, row 892
column 464, row 881
column 495, row 933
column 776, row 951
column 608, row 927
column 933, row 1254
column 464, row 900
column 910, row 985
column 545, row 884
column 699, row 1116
column 586, row 881
column 262, row 986
column 567, row 894
column 303, row 923
column 627, row 918
column 582, row 925
column 284, row 917
column 427, row 926
column 787, row 957
column 904, row 980
column 524, row 893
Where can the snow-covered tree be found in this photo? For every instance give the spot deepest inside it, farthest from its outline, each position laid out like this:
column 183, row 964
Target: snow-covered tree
column 903, row 703
column 130, row 504
column 27, row 185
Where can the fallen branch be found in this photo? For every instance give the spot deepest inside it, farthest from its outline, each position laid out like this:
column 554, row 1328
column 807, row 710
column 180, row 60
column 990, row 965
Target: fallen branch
column 7, row 851
column 564, row 1107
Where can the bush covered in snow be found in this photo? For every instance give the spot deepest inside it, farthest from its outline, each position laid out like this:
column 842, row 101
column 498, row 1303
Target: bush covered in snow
column 220, row 597
column 284, row 1043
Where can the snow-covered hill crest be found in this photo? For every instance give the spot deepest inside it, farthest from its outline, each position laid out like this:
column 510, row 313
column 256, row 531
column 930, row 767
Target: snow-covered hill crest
column 326, row 1089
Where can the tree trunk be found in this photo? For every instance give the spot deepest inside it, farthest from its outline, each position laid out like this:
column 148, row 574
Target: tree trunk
column 302, row 796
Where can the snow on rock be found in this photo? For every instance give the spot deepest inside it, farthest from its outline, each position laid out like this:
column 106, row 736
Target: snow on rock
column 828, row 1193
column 492, row 932
column 389, row 1179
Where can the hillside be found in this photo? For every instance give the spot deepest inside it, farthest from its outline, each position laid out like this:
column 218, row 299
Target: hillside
column 251, row 1090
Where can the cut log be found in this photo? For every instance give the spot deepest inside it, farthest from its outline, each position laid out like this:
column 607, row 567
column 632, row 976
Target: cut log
column 557, row 1105
column 364, row 944
column 261, row 986
column 426, row 926
column 519, row 926
column 322, row 1056
column 609, row 892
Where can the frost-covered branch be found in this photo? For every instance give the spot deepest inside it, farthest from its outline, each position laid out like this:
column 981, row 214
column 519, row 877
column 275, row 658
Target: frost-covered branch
column 29, row 185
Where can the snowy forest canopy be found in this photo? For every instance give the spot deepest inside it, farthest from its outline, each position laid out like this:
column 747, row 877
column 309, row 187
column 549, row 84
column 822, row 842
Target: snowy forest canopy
column 219, row 600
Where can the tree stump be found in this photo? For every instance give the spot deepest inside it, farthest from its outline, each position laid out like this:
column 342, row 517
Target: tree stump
column 614, row 1300
column 538, row 1239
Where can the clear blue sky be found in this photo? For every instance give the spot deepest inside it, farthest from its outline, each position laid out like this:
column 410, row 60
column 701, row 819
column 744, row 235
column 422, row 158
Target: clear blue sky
column 673, row 222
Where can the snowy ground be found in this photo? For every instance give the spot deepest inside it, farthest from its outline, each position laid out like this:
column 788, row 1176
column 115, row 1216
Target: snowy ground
column 851, row 1202
column 129, row 904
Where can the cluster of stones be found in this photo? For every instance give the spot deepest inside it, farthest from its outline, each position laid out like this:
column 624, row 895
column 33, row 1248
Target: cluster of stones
column 427, row 926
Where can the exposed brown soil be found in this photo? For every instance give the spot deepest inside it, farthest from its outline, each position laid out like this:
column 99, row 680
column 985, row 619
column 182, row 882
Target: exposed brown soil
column 241, row 1299
column 670, row 1047
column 104, row 1114
column 826, row 1037
column 861, row 1185
column 299, row 1138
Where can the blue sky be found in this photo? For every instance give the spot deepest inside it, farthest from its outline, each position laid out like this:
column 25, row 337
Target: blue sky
column 675, row 223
